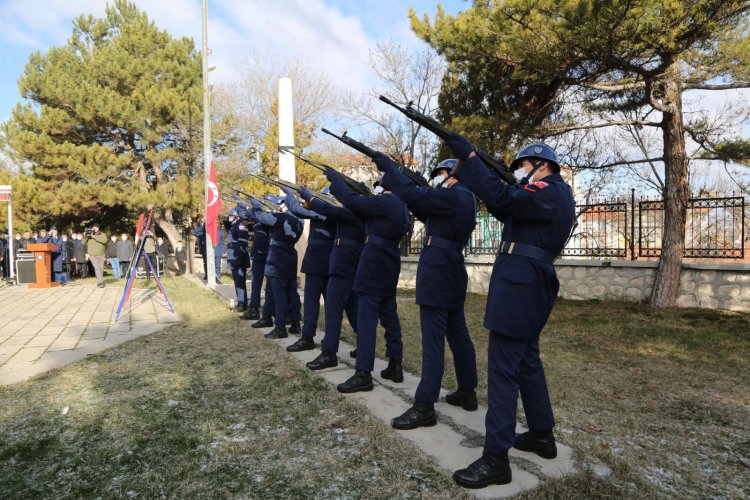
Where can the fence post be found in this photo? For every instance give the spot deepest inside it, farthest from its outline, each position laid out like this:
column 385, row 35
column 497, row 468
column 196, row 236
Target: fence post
column 633, row 256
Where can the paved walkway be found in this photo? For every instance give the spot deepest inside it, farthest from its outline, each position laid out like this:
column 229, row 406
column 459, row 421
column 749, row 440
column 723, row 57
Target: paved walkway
column 454, row 442
column 42, row 329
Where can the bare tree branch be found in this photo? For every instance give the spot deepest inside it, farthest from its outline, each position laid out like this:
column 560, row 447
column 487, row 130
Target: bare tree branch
column 562, row 130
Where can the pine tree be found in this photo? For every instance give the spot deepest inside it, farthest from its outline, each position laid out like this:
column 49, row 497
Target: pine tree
column 113, row 122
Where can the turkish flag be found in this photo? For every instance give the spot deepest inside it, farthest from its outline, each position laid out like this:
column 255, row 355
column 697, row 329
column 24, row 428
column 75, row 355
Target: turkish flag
column 213, row 208
column 139, row 227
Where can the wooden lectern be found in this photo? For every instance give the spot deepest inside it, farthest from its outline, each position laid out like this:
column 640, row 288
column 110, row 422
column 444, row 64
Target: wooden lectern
column 43, row 264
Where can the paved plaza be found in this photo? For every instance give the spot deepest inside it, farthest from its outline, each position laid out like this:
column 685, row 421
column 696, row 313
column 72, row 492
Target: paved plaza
column 42, row 329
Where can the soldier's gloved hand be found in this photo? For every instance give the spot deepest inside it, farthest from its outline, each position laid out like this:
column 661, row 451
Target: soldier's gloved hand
column 305, row 193
column 331, row 174
column 383, row 162
column 460, row 146
column 256, row 204
column 288, row 191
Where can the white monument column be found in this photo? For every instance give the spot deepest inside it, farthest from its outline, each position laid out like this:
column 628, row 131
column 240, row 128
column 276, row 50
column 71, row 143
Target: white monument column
column 287, row 170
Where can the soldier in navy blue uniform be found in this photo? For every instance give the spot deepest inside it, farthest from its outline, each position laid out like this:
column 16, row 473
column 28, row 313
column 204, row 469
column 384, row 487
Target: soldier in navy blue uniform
column 314, row 265
column 448, row 212
column 537, row 215
column 238, row 257
column 342, row 267
column 386, row 221
column 281, row 265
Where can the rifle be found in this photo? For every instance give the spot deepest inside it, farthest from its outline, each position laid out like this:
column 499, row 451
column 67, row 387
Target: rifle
column 355, row 185
column 365, row 150
column 265, row 205
column 436, row 128
column 280, row 183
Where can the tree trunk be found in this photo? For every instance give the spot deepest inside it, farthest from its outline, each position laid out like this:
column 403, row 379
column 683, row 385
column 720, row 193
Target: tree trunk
column 667, row 282
column 166, row 224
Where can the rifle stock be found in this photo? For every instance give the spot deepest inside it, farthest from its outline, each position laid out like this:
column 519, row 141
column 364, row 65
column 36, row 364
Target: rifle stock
column 371, row 153
column 443, row 133
column 355, row 185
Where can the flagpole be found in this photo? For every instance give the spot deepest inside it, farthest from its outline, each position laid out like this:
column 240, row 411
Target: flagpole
column 210, row 269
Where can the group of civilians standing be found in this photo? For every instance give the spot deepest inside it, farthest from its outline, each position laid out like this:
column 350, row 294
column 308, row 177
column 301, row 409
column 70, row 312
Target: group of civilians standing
column 81, row 252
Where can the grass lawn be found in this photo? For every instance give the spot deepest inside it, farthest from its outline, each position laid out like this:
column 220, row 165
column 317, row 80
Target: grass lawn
column 661, row 398
column 205, row 408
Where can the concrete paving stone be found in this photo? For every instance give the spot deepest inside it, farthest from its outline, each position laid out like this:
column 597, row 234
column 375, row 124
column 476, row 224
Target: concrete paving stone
column 94, row 332
column 13, row 366
column 18, row 340
column 28, row 354
column 9, row 350
column 64, row 343
column 168, row 318
column 101, row 317
column 51, row 330
column 75, row 330
column 4, row 358
column 42, row 341
column 118, row 327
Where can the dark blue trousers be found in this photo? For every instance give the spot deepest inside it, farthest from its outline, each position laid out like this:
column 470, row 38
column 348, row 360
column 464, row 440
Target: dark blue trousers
column 437, row 326
column 315, row 286
column 286, row 300
column 239, row 275
column 256, row 283
column 514, row 365
column 339, row 298
column 370, row 308
column 269, row 305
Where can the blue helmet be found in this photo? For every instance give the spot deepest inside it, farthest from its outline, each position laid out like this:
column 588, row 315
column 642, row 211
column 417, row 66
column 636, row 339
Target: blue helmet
column 233, row 213
column 443, row 165
column 538, row 151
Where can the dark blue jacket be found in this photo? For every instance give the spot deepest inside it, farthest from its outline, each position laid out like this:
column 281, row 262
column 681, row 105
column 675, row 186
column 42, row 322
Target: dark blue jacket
column 57, row 255
column 238, row 237
column 261, row 236
column 386, row 222
column 286, row 230
column 349, row 238
column 523, row 289
column 320, row 239
column 200, row 233
column 449, row 218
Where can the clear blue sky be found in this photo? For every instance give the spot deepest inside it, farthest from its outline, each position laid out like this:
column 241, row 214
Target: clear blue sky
column 332, row 35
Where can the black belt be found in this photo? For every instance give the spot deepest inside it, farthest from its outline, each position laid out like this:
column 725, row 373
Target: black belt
column 282, row 244
column 320, row 242
column 377, row 240
column 530, row 251
column 437, row 241
column 347, row 242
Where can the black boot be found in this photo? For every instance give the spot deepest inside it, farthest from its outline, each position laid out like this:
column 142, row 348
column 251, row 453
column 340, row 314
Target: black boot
column 359, row 382
column 353, row 353
column 277, row 333
column 419, row 415
column 490, row 469
column 465, row 399
column 540, row 442
column 303, row 344
column 263, row 323
column 394, row 371
column 324, row 360
column 295, row 328
column 251, row 314
column 239, row 308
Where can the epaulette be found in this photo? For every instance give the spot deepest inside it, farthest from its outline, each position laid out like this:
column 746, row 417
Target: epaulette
column 536, row 186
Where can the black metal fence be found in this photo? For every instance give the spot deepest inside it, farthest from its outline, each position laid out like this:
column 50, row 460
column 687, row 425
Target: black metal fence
column 716, row 228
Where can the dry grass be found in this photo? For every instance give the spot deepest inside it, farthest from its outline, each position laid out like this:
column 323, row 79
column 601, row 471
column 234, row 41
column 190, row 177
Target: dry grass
column 206, row 408
column 661, row 398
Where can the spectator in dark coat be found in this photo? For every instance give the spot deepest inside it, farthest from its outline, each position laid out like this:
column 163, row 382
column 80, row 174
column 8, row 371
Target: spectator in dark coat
column 124, row 253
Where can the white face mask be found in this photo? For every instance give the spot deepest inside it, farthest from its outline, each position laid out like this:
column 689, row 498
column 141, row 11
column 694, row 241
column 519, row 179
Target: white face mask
column 438, row 179
column 519, row 174
column 378, row 190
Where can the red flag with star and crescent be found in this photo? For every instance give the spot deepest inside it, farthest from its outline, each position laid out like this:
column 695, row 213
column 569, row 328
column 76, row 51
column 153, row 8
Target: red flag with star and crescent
column 213, row 207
